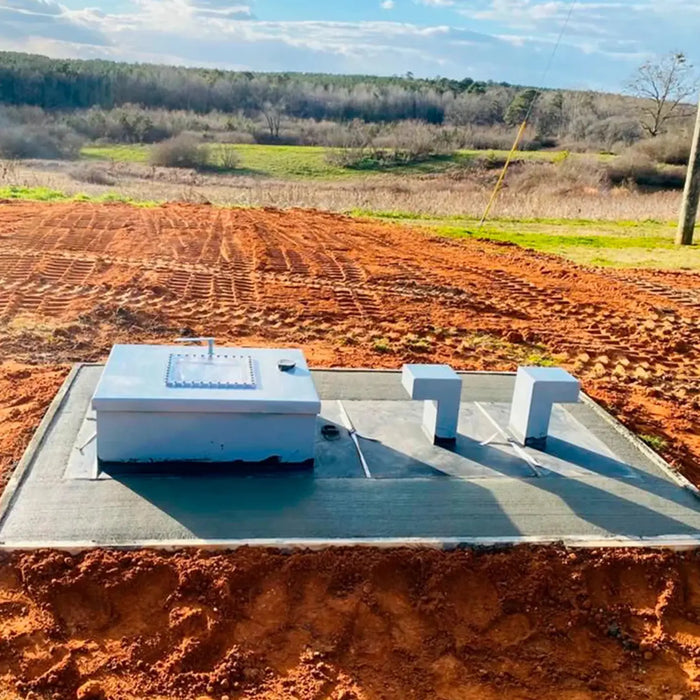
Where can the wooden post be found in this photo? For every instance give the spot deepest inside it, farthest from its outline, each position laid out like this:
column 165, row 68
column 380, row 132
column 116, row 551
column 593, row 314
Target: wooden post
column 691, row 193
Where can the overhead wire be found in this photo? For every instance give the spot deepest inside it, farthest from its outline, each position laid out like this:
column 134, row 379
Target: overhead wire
column 528, row 114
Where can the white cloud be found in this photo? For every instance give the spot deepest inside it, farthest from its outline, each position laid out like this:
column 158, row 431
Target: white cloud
column 43, row 18
column 604, row 41
column 515, row 39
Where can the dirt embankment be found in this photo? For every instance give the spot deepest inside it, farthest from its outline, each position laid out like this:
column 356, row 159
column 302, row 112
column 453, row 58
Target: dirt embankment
column 352, row 624
column 544, row 623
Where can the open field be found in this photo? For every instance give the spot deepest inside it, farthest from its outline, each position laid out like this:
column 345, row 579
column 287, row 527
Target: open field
column 646, row 243
column 75, row 277
column 310, row 161
column 533, row 190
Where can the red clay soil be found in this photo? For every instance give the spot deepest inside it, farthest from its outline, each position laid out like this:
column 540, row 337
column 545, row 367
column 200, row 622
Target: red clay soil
column 351, row 624
column 75, row 278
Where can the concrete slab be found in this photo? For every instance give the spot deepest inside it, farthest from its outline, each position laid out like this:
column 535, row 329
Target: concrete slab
column 595, row 484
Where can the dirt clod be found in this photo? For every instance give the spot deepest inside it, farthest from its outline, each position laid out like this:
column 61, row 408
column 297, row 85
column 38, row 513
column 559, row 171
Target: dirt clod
column 92, row 690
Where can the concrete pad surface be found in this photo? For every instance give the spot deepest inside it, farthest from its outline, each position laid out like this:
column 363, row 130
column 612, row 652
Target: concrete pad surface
column 377, row 480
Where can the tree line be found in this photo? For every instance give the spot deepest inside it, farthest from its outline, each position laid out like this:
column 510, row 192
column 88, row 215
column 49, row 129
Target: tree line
column 65, row 84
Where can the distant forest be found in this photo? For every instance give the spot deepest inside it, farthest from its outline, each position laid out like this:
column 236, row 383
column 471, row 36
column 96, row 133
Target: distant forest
column 27, row 79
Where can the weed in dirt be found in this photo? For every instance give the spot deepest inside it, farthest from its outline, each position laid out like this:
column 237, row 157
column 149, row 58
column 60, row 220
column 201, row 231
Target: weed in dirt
column 539, row 358
column 656, row 442
column 417, row 344
column 381, row 345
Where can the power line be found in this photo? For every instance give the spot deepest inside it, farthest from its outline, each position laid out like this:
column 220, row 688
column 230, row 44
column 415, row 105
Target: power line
column 528, row 114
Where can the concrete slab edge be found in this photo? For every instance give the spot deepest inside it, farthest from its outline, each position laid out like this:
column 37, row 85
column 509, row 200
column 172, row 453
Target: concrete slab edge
column 677, row 543
column 27, row 459
column 658, row 461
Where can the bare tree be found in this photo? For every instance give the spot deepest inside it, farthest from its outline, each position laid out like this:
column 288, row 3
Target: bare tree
column 273, row 111
column 664, row 85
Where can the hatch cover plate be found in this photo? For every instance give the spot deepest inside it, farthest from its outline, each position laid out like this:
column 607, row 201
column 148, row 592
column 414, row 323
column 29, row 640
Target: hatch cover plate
column 204, row 371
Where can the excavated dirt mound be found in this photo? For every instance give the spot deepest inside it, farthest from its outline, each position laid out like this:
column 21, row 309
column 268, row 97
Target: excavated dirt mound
column 75, row 278
column 352, row 624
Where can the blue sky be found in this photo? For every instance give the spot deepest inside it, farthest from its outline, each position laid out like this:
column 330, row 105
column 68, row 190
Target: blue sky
column 507, row 40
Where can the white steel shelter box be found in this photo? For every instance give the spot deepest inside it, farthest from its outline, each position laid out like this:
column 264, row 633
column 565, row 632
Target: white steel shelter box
column 162, row 403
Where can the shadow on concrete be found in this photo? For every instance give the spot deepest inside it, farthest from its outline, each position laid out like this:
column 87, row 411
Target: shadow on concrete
column 309, row 506
column 467, row 459
column 581, row 458
column 600, row 465
column 603, row 507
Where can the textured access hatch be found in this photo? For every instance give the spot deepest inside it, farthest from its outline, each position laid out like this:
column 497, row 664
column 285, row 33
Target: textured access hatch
column 204, row 371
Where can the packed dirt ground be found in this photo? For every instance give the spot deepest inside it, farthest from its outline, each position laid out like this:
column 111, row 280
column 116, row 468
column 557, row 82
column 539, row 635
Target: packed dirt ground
column 76, row 278
column 351, row 624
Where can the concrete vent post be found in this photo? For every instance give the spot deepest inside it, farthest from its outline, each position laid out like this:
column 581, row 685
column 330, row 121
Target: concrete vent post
column 440, row 388
column 537, row 389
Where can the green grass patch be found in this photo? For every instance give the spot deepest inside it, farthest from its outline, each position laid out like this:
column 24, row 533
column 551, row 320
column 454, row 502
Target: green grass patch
column 656, row 442
column 36, row 194
column 309, row 162
column 122, row 153
column 553, row 242
column 534, row 224
column 647, row 244
column 284, row 162
column 44, row 194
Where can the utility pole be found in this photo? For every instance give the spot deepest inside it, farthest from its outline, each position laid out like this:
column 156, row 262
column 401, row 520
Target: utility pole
column 691, row 193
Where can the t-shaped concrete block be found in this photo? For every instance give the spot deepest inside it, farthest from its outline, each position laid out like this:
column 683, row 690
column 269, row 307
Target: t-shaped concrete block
column 441, row 388
column 537, row 389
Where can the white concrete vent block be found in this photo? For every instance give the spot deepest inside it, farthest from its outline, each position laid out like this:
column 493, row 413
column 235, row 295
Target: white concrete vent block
column 440, row 387
column 537, row 389
column 159, row 403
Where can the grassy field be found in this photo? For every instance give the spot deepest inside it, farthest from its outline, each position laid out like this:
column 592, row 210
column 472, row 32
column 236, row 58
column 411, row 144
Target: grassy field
column 267, row 161
column 309, row 162
column 648, row 244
